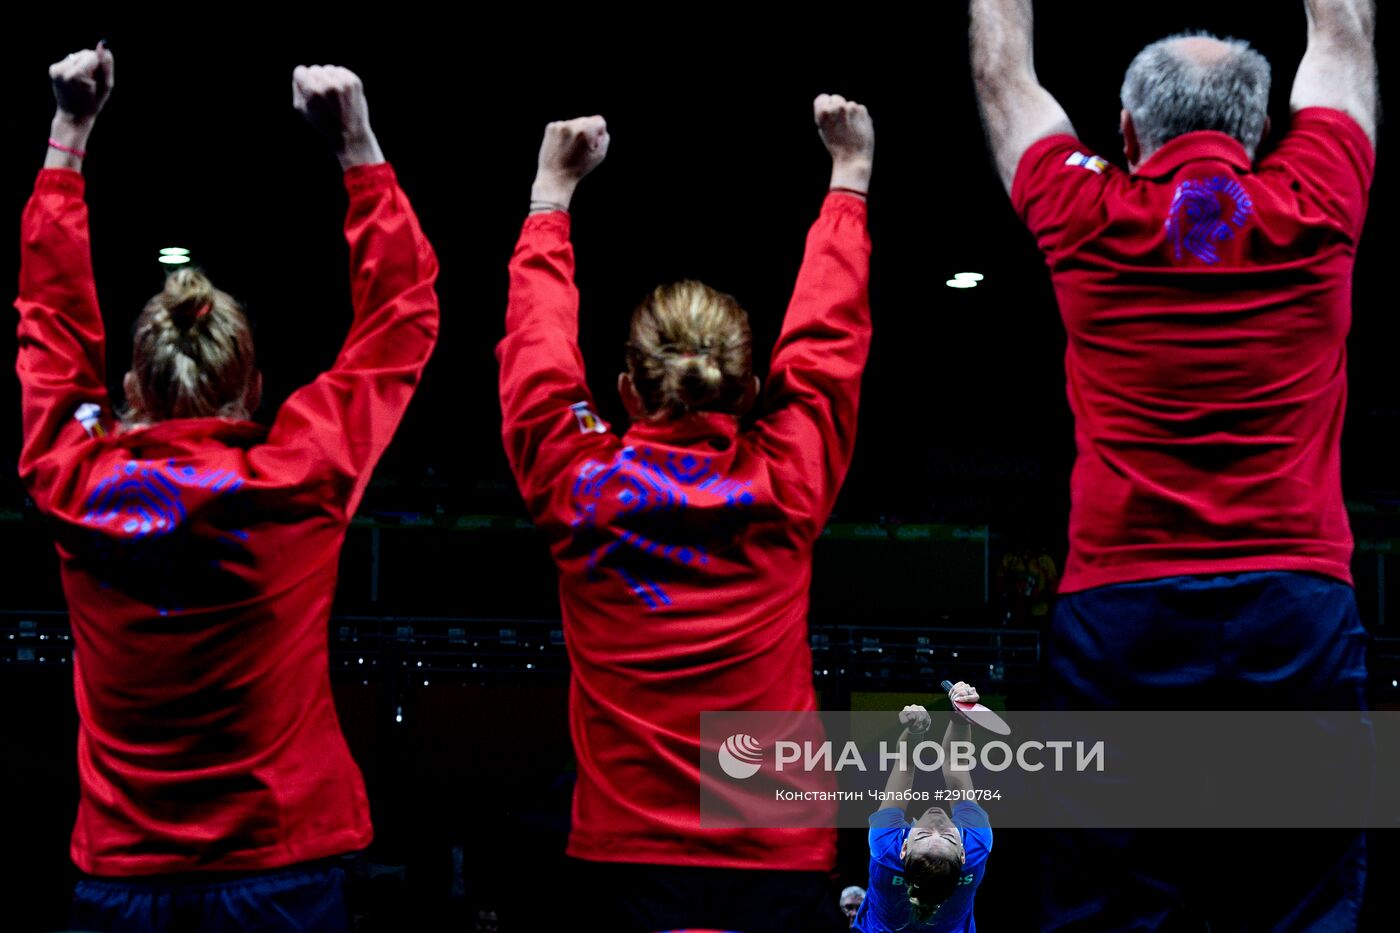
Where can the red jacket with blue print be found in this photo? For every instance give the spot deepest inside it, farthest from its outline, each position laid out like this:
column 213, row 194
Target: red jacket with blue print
column 684, row 547
column 199, row 558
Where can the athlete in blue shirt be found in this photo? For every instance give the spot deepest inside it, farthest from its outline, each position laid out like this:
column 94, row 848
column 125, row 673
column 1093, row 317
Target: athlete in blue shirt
column 924, row 875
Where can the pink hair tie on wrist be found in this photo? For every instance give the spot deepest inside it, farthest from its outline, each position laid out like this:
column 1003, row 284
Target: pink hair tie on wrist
column 203, row 310
column 80, row 153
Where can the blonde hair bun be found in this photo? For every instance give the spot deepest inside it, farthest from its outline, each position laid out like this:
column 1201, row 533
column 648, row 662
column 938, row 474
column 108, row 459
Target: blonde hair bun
column 690, row 350
column 692, row 377
column 187, row 296
column 191, row 354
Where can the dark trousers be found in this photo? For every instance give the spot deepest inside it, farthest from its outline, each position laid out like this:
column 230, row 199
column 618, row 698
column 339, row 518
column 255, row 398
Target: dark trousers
column 308, row 898
column 1236, row 641
column 625, row 897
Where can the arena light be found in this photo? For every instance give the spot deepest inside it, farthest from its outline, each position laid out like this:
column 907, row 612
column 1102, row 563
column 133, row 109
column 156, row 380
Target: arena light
column 960, row 283
column 174, row 251
column 174, row 260
column 968, row 276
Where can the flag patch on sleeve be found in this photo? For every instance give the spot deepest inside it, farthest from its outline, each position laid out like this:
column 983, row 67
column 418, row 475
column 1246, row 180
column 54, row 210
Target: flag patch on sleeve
column 1092, row 162
column 588, row 422
column 89, row 415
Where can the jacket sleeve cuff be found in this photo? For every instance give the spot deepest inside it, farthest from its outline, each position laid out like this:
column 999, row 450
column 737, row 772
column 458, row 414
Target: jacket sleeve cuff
column 557, row 222
column 60, row 181
column 840, row 202
column 367, row 179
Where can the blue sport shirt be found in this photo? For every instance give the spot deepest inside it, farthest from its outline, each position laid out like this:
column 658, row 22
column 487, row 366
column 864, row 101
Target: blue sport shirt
column 886, row 905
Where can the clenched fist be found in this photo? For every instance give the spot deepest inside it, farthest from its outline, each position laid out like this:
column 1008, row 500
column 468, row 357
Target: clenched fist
column 570, row 150
column 916, row 719
column 82, row 82
column 849, row 135
column 333, row 100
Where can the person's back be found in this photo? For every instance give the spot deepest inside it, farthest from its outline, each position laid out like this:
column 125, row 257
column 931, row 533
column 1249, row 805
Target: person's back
column 684, row 545
column 199, row 550
column 1207, row 299
column 687, row 580
column 198, row 564
column 1207, row 303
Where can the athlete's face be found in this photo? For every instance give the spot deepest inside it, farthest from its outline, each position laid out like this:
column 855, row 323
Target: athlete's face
column 934, row 833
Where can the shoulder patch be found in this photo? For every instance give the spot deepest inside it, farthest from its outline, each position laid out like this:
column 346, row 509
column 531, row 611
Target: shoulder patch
column 89, row 415
column 588, row 420
column 1092, row 162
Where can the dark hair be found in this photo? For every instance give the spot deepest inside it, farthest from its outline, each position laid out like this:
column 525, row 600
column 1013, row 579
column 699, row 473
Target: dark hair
column 931, row 879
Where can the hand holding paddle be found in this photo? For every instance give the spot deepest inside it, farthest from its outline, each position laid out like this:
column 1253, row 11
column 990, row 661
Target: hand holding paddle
column 964, row 699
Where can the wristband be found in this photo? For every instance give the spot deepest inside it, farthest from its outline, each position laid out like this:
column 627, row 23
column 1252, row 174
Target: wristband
column 540, row 207
column 55, row 144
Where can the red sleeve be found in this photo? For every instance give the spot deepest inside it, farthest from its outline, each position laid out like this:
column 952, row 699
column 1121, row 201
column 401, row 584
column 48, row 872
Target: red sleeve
column 547, row 412
column 61, row 343
column 1327, row 159
column 808, row 423
column 339, row 425
column 1059, row 187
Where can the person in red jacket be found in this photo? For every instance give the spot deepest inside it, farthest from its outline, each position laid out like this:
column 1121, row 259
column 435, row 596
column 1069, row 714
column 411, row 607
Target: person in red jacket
column 684, row 545
column 1206, row 294
column 199, row 550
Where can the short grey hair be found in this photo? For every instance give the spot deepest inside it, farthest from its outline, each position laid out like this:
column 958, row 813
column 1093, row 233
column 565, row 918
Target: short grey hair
column 1168, row 94
column 854, row 890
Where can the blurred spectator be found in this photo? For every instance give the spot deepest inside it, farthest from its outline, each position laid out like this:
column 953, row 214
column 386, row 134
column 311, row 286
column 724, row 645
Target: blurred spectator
column 850, row 901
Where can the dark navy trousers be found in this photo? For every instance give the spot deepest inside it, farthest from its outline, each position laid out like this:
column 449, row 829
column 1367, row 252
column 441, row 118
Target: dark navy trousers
column 1241, row 641
column 307, row 898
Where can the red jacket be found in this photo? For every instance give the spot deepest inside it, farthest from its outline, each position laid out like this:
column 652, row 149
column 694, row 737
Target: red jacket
column 1207, row 302
column 684, row 547
column 199, row 559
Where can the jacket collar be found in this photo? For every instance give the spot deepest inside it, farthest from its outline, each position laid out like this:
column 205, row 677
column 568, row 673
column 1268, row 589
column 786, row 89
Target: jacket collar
column 180, row 431
column 712, row 429
column 1200, row 146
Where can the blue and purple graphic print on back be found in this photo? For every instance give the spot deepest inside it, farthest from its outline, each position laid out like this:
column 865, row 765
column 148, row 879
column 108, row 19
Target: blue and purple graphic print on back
column 654, row 514
column 140, row 535
column 1206, row 211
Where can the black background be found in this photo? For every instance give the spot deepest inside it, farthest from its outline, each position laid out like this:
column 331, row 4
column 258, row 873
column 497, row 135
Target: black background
column 715, row 173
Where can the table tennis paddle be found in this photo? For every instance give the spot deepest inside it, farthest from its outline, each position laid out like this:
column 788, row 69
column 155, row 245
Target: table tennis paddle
column 978, row 714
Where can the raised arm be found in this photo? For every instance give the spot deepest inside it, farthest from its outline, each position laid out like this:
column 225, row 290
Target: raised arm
column 1016, row 110
column 340, row 424
column 916, row 721
column 61, row 340
column 546, row 407
column 959, row 730
column 808, row 421
column 1338, row 69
